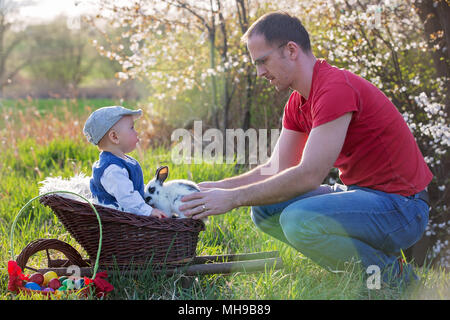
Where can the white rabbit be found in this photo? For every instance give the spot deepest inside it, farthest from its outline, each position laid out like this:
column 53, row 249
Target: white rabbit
column 167, row 196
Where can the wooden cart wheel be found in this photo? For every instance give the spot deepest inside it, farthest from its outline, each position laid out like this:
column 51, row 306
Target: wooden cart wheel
column 73, row 256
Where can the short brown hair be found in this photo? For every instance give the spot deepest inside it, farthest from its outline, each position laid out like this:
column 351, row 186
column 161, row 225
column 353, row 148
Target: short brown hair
column 279, row 27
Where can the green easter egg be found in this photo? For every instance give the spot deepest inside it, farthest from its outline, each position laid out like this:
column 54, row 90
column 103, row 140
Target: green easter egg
column 68, row 283
column 62, row 288
column 62, row 278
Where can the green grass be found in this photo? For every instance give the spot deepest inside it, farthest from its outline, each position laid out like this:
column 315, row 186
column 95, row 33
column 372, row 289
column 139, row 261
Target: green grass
column 230, row 233
column 27, row 163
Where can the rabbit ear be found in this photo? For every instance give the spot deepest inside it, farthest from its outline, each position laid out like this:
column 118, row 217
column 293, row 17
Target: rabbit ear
column 162, row 174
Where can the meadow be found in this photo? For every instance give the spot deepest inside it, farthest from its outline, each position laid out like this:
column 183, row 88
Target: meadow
column 43, row 138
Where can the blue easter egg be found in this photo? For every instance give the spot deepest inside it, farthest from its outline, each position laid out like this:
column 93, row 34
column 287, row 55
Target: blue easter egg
column 32, row 286
column 79, row 283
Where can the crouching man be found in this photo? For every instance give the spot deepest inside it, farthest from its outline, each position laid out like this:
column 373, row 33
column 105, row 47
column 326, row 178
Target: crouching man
column 333, row 118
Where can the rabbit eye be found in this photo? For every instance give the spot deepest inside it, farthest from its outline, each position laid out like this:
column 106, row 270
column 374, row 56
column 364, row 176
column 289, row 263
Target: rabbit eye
column 151, row 190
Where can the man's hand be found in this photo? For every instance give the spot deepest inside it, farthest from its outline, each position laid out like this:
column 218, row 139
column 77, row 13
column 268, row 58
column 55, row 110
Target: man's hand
column 206, row 203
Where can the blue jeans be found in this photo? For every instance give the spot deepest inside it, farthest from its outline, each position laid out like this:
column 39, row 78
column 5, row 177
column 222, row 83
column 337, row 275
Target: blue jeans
column 335, row 224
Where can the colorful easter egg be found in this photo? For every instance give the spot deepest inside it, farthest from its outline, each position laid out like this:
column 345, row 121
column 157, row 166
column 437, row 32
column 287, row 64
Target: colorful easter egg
column 37, row 278
column 49, row 276
column 32, row 286
column 62, row 278
column 48, row 290
column 62, row 288
column 54, row 284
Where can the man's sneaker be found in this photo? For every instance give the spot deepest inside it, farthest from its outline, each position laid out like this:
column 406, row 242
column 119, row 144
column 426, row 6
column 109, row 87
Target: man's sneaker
column 402, row 276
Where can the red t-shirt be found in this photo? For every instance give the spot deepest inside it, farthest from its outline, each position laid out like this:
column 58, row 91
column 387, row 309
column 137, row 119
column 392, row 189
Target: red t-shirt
column 379, row 151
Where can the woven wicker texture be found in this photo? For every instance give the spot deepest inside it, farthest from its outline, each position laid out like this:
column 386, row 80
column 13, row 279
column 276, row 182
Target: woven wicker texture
column 127, row 238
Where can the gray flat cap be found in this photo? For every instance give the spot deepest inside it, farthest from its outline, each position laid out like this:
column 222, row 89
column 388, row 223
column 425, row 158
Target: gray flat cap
column 101, row 120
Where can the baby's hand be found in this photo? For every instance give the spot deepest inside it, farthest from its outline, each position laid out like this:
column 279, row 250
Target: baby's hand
column 158, row 213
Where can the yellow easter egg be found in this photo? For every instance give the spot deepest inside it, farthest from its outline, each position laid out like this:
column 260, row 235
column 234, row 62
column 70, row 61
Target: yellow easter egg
column 49, row 276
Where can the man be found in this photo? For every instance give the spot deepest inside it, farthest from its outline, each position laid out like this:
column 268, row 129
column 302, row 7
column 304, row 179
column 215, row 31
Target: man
column 332, row 118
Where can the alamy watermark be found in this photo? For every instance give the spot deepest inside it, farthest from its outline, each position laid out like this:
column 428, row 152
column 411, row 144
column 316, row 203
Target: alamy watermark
column 215, row 146
column 374, row 279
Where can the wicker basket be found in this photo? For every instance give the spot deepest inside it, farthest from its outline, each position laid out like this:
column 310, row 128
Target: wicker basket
column 127, row 238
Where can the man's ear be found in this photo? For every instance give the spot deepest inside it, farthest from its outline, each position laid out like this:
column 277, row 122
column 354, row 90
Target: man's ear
column 293, row 49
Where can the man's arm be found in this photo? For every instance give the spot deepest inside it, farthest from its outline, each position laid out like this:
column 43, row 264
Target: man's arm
column 287, row 153
column 319, row 155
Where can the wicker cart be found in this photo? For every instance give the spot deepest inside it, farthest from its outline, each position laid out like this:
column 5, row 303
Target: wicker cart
column 115, row 239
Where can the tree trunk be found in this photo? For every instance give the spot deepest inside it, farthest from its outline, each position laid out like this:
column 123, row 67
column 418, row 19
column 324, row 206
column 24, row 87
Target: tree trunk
column 243, row 21
column 435, row 16
column 249, row 98
column 224, row 55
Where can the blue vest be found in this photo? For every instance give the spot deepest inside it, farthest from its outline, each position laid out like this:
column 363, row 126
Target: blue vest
column 107, row 159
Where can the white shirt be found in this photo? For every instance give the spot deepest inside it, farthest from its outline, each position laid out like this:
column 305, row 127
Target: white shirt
column 117, row 183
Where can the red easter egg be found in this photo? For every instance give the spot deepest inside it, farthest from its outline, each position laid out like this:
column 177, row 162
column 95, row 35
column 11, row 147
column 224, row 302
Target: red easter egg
column 54, row 284
column 37, row 278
